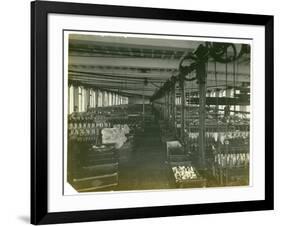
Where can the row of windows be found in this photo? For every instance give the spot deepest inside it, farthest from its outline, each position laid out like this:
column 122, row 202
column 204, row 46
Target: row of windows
column 81, row 98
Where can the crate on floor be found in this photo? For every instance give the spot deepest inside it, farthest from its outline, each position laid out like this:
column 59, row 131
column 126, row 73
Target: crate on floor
column 184, row 175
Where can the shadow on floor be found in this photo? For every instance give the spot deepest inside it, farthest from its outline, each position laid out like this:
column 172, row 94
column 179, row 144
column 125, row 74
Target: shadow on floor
column 25, row 219
column 146, row 169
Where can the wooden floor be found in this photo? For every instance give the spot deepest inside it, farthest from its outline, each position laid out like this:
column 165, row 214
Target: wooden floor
column 146, row 168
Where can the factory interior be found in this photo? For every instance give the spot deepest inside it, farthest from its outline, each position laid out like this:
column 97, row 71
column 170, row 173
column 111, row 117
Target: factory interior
column 152, row 112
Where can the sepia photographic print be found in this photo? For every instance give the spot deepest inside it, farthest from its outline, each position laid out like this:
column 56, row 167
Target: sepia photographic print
column 149, row 112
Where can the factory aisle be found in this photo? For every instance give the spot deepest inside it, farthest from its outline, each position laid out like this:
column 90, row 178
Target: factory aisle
column 146, row 169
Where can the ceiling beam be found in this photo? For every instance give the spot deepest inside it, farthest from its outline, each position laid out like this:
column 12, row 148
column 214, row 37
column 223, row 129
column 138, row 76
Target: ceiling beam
column 124, row 62
column 129, row 41
column 143, row 63
column 221, row 75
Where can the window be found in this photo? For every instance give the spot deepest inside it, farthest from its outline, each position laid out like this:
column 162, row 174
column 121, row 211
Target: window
column 79, row 98
column 70, row 99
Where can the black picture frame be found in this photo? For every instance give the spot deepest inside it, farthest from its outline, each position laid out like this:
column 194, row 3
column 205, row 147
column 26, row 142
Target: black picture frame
column 39, row 111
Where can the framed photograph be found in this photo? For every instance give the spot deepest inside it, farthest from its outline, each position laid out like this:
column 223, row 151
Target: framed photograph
column 145, row 112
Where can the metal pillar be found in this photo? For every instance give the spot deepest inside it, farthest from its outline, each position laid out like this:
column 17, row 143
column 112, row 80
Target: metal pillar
column 201, row 74
column 168, row 105
column 174, row 106
column 164, row 108
column 182, row 85
column 143, row 106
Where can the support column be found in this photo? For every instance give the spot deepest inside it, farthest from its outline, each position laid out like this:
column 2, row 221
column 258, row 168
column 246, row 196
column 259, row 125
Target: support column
column 165, row 106
column 174, row 106
column 201, row 75
column 182, row 85
column 143, row 106
column 168, row 105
